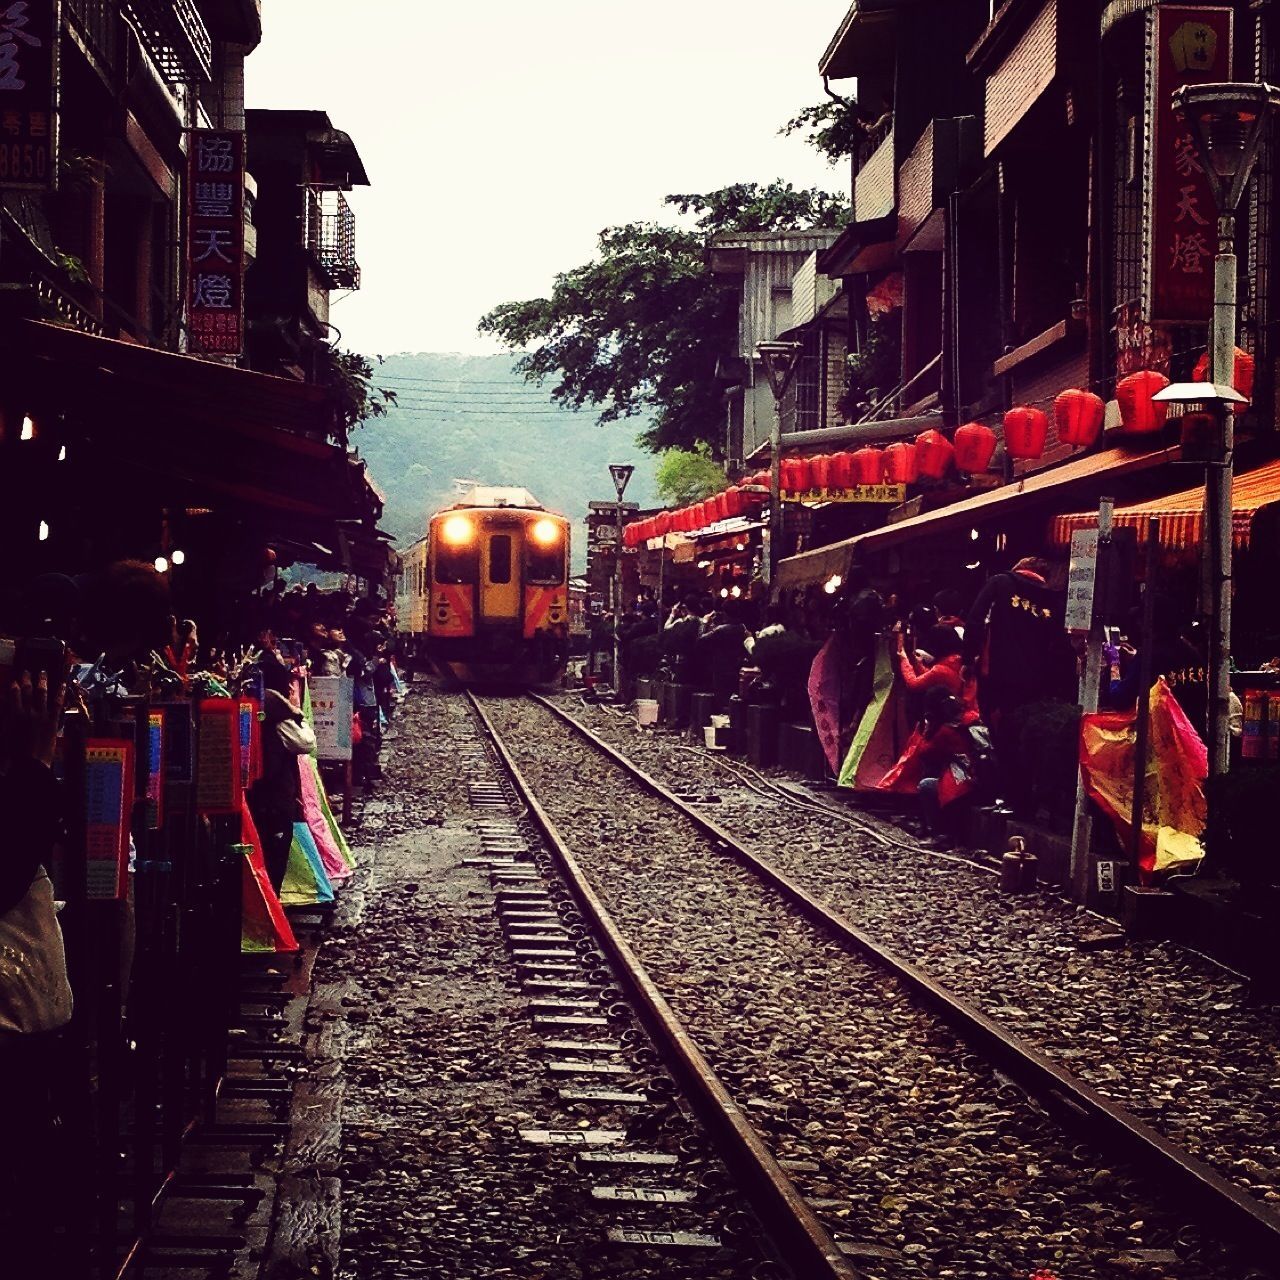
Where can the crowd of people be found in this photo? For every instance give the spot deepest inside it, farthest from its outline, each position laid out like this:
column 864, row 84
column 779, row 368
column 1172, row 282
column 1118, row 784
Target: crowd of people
column 88, row 646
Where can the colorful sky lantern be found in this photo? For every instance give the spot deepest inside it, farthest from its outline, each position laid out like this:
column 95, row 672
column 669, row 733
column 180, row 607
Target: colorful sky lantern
column 900, row 463
column 1139, row 411
column 974, row 445
column 934, row 453
column 1079, row 416
column 1026, row 430
column 1241, row 378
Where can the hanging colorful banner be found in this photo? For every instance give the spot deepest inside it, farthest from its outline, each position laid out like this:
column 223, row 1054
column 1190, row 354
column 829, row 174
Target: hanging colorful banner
column 331, row 711
column 29, row 32
column 218, row 789
column 108, row 795
column 1193, row 45
column 215, row 242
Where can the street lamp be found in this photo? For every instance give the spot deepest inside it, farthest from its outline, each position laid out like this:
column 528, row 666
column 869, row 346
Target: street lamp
column 781, row 360
column 1226, row 122
column 621, row 473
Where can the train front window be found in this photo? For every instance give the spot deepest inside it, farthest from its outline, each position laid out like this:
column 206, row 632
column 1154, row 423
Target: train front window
column 500, row 558
column 544, row 563
column 457, row 565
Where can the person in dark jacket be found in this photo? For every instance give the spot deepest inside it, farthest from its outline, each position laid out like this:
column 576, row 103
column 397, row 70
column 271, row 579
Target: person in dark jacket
column 1014, row 642
column 275, row 800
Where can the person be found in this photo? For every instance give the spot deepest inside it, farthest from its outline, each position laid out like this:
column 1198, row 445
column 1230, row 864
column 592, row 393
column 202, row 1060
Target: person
column 955, row 763
column 322, row 658
column 275, row 799
column 859, row 620
column 180, row 653
column 945, row 672
column 361, row 663
column 948, row 610
column 1014, row 642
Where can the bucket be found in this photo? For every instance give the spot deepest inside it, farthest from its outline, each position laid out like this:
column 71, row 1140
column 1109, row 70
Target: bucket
column 646, row 711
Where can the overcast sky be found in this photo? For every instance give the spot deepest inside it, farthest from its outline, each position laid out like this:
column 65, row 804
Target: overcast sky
column 501, row 135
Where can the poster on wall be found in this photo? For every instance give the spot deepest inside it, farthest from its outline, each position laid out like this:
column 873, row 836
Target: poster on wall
column 28, row 95
column 331, row 712
column 1193, row 45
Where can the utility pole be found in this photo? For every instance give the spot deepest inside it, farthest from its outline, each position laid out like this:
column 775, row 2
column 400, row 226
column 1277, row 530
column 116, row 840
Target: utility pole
column 781, row 361
column 1227, row 122
column 621, row 473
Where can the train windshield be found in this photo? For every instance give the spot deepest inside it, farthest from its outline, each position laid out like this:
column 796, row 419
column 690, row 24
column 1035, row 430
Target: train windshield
column 544, row 562
column 457, row 564
column 500, row 558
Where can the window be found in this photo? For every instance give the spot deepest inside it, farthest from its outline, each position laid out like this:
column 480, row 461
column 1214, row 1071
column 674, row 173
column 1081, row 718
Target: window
column 500, row 558
column 544, row 565
column 457, row 565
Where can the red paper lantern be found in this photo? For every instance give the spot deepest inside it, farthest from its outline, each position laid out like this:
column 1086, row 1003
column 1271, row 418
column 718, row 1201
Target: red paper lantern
column 974, row 445
column 933, row 454
column 761, row 479
column 1025, row 432
column 866, row 465
column 820, row 471
column 662, row 521
column 1139, row 412
column 735, row 500
column 1079, row 416
column 900, row 464
column 1241, row 377
column 841, row 470
column 795, row 475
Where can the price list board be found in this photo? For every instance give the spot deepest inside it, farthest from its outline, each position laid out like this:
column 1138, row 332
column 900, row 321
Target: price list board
column 155, row 771
column 217, row 774
column 108, row 794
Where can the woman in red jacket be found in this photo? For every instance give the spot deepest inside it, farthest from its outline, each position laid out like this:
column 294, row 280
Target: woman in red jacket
column 946, row 649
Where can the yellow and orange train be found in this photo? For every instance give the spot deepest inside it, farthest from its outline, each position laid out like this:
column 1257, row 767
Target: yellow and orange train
column 485, row 595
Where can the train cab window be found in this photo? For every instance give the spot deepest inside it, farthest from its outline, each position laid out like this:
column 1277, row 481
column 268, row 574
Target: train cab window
column 500, row 558
column 544, row 554
column 457, row 565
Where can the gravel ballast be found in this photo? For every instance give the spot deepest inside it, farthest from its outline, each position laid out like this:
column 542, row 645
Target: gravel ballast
column 1167, row 1033
column 916, row 1154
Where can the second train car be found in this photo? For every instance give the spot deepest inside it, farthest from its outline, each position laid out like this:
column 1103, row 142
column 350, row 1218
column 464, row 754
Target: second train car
column 485, row 595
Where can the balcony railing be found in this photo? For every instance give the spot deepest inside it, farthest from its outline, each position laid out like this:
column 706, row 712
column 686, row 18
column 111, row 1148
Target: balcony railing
column 874, row 193
column 98, row 23
column 330, row 230
column 175, row 36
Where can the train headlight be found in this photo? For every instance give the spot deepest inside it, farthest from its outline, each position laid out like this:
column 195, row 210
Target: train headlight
column 457, row 531
column 546, row 533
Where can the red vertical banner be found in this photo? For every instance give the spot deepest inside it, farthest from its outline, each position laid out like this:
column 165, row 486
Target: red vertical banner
column 1192, row 46
column 215, row 242
column 29, row 31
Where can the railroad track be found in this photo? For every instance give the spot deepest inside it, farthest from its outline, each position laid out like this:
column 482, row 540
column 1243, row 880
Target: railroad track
column 980, row 1066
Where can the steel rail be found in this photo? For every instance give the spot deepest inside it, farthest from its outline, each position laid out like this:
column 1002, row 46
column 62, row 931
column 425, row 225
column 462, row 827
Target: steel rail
column 782, row 1209
column 1233, row 1214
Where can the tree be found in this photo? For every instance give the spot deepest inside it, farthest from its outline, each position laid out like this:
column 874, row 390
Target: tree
column 687, row 475
column 350, row 377
column 641, row 326
column 835, row 128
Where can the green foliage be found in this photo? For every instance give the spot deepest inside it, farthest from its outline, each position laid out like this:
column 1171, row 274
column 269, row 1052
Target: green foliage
column 350, row 376
column 834, row 128
column 641, row 326
column 688, row 475
column 874, row 371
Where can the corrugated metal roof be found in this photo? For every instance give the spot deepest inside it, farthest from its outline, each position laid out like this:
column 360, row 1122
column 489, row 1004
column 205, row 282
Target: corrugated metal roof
column 1181, row 515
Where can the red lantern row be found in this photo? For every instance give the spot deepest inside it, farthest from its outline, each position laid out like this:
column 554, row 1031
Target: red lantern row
column 1241, row 378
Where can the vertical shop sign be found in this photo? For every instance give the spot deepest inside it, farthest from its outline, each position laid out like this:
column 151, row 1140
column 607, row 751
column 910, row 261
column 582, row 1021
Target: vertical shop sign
column 108, row 793
column 1192, row 46
column 29, row 94
column 332, row 700
column 215, row 242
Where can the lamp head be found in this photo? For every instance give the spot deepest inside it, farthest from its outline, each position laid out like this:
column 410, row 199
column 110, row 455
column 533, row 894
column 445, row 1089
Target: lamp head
column 1227, row 122
column 781, row 360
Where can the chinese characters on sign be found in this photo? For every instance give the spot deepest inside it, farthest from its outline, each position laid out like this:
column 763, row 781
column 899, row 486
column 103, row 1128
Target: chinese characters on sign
column 215, row 242
column 1192, row 46
column 108, row 789
column 890, row 493
column 28, row 82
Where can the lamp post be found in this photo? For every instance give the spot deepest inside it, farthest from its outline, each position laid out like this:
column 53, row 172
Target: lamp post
column 781, row 360
column 621, row 473
column 1226, row 122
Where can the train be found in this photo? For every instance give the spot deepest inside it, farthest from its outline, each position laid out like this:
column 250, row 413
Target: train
column 484, row 596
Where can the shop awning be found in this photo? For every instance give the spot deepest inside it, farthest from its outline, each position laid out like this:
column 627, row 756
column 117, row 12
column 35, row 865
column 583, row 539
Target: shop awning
column 1077, row 477
column 1180, row 516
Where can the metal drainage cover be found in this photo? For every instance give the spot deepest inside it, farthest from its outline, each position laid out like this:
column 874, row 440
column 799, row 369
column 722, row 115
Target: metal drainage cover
column 663, row 1239
column 646, row 1195
column 572, row 1137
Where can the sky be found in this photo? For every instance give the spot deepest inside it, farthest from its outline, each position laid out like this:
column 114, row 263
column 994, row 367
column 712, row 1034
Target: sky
column 500, row 136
